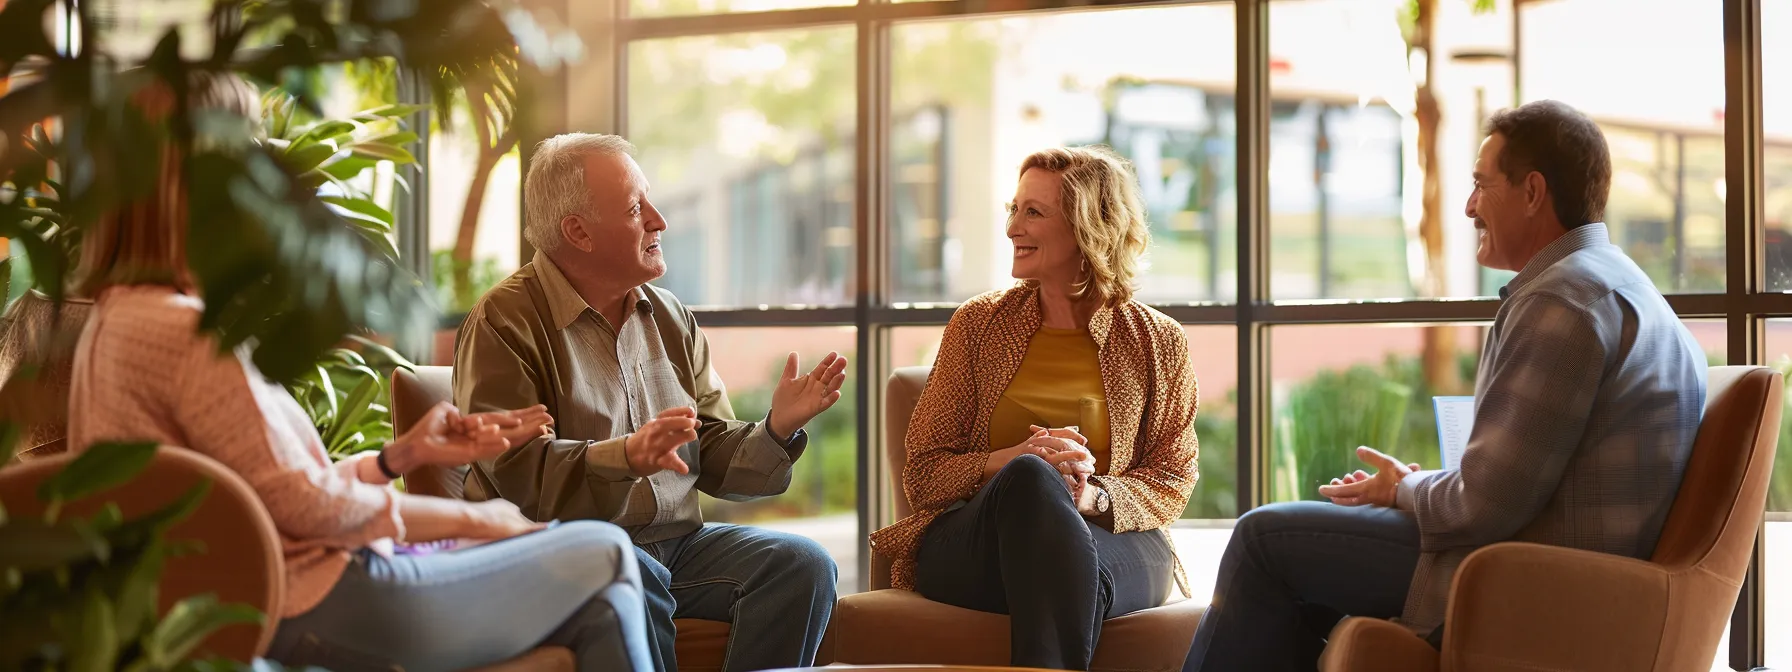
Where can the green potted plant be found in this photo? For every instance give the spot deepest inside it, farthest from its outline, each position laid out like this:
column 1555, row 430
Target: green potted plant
column 285, row 262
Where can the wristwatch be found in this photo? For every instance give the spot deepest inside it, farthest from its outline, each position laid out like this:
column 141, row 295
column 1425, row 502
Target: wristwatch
column 1102, row 502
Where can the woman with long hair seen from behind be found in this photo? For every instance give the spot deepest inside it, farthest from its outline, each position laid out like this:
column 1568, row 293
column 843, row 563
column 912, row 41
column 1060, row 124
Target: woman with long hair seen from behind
column 354, row 598
column 1055, row 441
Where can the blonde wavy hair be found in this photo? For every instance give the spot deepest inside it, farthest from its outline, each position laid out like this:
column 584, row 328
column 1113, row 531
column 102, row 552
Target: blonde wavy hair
column 1099, row 194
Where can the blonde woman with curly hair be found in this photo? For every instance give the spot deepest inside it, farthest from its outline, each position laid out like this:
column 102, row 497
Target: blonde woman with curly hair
column 1055, row 442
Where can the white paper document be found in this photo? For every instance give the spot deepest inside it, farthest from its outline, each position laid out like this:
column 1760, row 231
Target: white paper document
column 1455, row 419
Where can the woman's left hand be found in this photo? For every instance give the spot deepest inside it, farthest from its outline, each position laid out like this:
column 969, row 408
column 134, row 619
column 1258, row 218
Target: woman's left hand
column 443, row 437
column 1065, row 450
column 1085, row 495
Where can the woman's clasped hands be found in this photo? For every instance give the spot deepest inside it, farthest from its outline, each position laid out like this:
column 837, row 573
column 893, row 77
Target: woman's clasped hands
column 1064, row 448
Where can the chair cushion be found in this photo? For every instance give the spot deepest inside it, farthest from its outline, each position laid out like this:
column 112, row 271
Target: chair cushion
column 891, row 627
column 544, row 659
column 701, row 644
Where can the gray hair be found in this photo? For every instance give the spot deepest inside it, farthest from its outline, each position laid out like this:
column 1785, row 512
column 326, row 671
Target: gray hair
column 556, row 187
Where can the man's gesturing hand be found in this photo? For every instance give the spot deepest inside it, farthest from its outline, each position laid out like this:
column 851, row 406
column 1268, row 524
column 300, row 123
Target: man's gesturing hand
column 1380, row 488
column 654, row 447
column 798, row 399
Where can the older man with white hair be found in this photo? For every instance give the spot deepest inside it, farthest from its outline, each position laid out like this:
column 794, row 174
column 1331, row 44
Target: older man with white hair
column 641, row 420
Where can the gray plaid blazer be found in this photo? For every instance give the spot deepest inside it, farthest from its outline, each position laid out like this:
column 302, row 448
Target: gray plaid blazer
column 1587, row 400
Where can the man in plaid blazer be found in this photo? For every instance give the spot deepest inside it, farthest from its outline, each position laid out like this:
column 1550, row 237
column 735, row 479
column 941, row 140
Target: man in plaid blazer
column 1587, row 400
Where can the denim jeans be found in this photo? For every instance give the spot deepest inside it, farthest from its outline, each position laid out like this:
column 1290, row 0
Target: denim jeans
column 1291, row 572
column 776, row 589
column 574, row 585
column 1020, row 548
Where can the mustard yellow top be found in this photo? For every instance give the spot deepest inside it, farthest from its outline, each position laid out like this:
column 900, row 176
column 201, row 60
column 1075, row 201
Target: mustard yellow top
column 1058, row 385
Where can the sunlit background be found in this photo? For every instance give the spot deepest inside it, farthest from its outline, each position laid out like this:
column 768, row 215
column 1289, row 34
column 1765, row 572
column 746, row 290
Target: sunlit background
column 751, row 140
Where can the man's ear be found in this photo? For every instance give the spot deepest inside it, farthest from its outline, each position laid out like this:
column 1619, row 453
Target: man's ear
column 572, row 230
column 1536, row 193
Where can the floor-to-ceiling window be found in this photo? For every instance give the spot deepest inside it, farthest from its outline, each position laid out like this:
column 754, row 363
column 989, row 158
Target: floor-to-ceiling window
column 834, row 176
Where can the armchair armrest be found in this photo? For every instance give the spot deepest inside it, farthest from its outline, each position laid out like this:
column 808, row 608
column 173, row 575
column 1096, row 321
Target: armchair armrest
column 1373, row 645
column 1535, row 607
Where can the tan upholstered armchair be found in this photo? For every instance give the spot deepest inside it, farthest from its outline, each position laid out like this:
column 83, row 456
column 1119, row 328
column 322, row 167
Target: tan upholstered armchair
column 887, row 626
column 241, row 563
column 1516, row 606
column 701, row 644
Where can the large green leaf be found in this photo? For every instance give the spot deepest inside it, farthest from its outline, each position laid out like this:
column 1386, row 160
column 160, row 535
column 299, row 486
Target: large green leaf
column 97, row 643
column 278, row 265
column 30, row 545
column 188, row 624
column 379, row 353
column 354, row 410
column 398, row 139
column 345, row 165
column 382, row 152
column 389, row 112
column 363, row 206
column 10, row 435
column 98, row 468
column 22, row 33
column 5, row 303
column 142, row 530
column 324, row 130
column 136, row 589
column 306, row 158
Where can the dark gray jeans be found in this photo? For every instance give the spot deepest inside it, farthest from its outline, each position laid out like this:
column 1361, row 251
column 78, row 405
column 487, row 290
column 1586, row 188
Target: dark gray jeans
column 1019, row 547
column 574, row 585
column 776, row 589
column 1291, row 572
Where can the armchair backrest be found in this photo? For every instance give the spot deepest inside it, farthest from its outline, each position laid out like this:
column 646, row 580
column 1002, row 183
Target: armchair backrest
column 1709, row 535
column 413, row 394
column 242, row 560
column 901, row 392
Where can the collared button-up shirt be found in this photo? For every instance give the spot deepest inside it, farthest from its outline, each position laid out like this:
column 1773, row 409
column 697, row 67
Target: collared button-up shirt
column 1588, row 398
column 534, row 340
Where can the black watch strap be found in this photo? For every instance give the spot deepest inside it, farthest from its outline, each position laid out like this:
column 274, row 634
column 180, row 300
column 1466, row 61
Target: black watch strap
column 385, row 468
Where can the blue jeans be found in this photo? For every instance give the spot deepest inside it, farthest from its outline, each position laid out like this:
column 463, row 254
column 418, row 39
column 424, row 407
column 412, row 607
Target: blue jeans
column 574, row 585
column 1291, row 572
column 776, row 589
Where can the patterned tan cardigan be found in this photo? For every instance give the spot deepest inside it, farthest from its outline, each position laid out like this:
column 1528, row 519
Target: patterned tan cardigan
column 1151, row 399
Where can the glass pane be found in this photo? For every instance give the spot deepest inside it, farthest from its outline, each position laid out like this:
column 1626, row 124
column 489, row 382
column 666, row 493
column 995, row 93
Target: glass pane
column 971, row 99
column 475, row 221
column 1347, row 205
column 1776, row 104
column 1376, row 392
column 822, row 502
column 1352, row 122
column 1666, row 208
column 751, row 163
column 1777, row 536
column 687, row 7
column 1328, row 400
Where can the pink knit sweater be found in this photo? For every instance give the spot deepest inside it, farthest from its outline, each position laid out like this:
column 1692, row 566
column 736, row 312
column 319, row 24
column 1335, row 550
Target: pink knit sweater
column 143, row 373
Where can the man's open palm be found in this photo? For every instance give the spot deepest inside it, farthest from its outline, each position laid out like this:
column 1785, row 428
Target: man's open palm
column 1379, row 488
column 798, row 399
